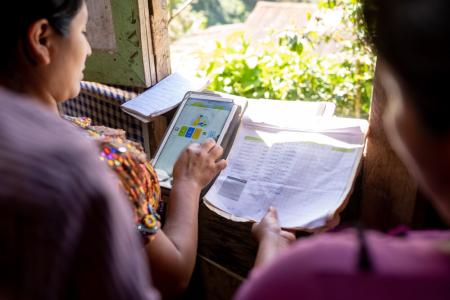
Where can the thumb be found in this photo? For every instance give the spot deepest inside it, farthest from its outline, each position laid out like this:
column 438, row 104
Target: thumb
column 273, row 213
column 288, row 235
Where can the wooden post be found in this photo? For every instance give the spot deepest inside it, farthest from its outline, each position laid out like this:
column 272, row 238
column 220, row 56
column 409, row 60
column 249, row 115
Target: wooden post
column 159, row 20
column 160, row 34
column 389, row 192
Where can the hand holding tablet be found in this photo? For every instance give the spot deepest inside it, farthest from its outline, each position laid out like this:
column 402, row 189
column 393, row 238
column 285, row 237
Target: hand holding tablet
column 199, row 163
column 199, row 117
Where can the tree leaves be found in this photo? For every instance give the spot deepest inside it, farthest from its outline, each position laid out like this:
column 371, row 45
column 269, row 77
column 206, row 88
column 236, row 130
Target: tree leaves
column 298, row 64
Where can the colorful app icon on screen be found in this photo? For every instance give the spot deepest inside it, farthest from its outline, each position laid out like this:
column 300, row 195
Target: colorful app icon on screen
column 197, row 133
column 189, row 132
column 201, row 121
column 183, row 131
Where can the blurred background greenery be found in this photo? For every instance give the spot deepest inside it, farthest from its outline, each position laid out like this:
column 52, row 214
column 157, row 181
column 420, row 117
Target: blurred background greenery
column 325, row 60
column 200, row 14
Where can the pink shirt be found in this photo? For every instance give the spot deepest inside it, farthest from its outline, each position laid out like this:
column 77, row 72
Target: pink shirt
column 327, row 267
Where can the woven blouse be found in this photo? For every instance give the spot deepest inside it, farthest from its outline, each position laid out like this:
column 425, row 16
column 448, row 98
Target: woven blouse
column 136, row 175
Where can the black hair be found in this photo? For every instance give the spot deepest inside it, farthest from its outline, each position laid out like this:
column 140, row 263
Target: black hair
column 413, row 36
column 16, row 17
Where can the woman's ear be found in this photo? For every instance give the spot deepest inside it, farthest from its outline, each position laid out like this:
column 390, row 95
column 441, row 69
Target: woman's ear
column 38, row 42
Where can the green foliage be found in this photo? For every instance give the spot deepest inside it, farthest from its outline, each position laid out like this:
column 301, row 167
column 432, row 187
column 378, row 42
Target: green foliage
column 228, row 11
column 203, row 13
column 224, row 11
column 188, row 21
column 325, row 61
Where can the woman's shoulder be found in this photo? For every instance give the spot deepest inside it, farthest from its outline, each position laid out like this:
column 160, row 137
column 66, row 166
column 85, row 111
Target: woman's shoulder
column 134, row 171
column 410, row 253
column 347, row 264
column 322, row 266
column 109, row 139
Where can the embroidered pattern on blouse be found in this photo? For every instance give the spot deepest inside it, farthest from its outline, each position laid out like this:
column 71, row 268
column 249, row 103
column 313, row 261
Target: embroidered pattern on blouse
column 136, row 175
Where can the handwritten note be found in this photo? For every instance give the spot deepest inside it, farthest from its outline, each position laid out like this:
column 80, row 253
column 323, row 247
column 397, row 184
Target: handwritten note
column 164, row 96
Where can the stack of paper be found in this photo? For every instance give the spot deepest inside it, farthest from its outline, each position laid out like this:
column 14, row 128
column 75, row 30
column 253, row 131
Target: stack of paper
column 299, row 162
column 162, row 97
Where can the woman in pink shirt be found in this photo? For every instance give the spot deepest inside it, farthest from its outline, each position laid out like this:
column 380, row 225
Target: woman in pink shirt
column 412, row 40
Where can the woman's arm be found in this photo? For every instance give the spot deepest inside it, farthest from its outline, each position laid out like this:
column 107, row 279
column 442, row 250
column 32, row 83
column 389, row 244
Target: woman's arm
column 173, row 251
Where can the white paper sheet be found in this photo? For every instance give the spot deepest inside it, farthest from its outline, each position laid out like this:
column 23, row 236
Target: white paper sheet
column 305, row 174
column 164, row 96
column 285, row 114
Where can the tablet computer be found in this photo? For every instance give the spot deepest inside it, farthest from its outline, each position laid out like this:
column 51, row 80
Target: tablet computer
column 199, row 116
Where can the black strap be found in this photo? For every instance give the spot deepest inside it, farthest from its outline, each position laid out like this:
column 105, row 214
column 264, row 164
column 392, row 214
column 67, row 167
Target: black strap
column 364, row 261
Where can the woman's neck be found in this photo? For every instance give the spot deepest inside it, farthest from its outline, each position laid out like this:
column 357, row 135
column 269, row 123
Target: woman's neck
column 32, row 90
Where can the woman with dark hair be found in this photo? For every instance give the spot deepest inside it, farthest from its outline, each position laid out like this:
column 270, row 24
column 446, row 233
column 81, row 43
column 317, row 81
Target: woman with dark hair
column 412, row 40
column 42, row 56
column 62, row 226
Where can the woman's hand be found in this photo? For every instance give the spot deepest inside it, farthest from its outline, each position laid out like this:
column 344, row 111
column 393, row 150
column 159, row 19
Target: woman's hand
column 198, row 164
column 271, row 238
column 269, row 229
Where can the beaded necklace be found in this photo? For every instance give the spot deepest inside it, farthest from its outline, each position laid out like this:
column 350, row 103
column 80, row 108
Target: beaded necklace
column 136, row 175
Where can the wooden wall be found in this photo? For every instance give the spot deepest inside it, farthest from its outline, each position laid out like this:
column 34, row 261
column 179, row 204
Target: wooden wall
column 130, row 42
column 160, row 37
column 388, row 190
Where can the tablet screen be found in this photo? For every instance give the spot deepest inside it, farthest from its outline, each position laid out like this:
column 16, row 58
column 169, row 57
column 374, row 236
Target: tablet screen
column 199, row 119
